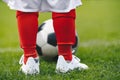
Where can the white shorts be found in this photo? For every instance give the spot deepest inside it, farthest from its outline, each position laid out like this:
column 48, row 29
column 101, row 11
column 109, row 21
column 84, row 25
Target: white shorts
column 43, row 5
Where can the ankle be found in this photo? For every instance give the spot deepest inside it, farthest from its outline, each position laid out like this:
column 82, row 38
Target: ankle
column 65, row 51
column 29, row 53
column 67, row 57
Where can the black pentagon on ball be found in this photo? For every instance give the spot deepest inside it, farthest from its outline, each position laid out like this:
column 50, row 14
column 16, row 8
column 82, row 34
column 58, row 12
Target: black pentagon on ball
column 52, row 39
column 39, row 50
column 76, row 42
column 41, row 27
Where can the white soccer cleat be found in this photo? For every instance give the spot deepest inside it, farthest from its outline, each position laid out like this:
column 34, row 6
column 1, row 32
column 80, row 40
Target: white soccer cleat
column 64, row 66
column 31, row 67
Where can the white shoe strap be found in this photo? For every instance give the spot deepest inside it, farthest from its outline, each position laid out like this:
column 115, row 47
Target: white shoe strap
column 21, row 60
column 76, row 58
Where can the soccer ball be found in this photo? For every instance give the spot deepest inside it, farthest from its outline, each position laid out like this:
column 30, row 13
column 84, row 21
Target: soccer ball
column 46, row 44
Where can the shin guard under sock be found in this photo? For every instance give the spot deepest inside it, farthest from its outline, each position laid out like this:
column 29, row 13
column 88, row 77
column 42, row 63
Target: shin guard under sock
column 27, row 28
column 64, row 26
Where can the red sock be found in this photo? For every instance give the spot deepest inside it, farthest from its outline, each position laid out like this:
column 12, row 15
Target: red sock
column 28, row 27
column 64, row 26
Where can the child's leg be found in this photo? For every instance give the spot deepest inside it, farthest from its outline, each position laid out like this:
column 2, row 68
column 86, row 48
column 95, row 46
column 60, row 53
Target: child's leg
column 27, row 28
column 64, row 26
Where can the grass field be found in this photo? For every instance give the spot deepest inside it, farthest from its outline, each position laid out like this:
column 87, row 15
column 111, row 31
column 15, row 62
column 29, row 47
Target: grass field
column 98, row 27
